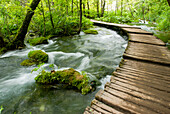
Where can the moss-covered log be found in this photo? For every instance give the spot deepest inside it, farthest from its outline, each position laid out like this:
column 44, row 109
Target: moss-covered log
column 19, row 39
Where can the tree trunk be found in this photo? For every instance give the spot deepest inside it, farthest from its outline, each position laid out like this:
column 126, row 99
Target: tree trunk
column 116, row 7
column 19, row 39
column 88, row 7
column 97, row 3
column 43, row 17
column 102, row 7
column 84, row 8
column 2, row 44
column 80, row 23
column 143, row 11
column 51, row 18
column 121, row 7
column 72, row 7
column 66, row 7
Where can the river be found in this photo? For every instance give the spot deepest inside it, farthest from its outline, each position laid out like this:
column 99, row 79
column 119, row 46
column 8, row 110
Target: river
column 98, row 55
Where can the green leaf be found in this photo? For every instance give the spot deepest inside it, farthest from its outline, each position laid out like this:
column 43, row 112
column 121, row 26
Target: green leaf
column 35, row 69
column 51, row 65
column 1, row 109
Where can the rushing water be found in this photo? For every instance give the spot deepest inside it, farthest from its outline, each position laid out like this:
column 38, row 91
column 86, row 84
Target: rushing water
column 97, row 55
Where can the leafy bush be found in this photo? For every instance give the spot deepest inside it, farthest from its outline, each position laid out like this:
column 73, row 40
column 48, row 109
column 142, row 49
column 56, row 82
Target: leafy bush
column 164, row 22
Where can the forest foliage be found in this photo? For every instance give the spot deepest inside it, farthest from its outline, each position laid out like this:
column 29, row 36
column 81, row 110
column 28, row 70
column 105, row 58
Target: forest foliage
column 62, row 17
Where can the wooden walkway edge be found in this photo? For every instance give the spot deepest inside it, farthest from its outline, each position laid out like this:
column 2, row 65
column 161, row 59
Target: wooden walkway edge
column 141, row 84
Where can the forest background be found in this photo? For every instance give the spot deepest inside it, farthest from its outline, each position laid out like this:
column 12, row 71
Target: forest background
column 63, row 17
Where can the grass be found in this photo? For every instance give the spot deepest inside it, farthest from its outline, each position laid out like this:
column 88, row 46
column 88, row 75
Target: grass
column 165, row 37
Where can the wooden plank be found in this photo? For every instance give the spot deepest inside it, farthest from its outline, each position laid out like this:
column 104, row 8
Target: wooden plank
column 86, row 112
column 114, row 24
column 156, row 78
column 136, row 31
column 145, row 52
column 142, row 38
column 162, row 77
column 100, row 110
column 118, row 103
column 91, row 111
column 148, row 67
column 138, row 101
column 141, row 87
column 164, row 90
column 143, row 80
column 105, row 107
column 138, row 94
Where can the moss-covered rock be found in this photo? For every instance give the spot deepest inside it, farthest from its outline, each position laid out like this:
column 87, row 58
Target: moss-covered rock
column 38, row 56
column 70, row 77
column 37, row 41
column 28, row 62
column 90, row 31
column 35, row 57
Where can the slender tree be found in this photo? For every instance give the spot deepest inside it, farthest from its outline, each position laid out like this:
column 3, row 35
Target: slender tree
column 116, row 8
column 102, row 7
column 72, row 7
column 80, row 23
column 88, row 7
column 42, row 7
column 51, row 18
column 97, row 6
column 121, row 8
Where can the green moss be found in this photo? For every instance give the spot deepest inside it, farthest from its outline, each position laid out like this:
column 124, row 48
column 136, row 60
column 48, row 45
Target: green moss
column 27, row 62
column 72, row 78
column 51, row 36
column 35, row 57
column 90, row 31
column 164, row 36
column 38, row 56
column 37, row 41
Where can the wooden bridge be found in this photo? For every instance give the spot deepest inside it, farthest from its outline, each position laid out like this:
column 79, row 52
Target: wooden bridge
column 141, row 84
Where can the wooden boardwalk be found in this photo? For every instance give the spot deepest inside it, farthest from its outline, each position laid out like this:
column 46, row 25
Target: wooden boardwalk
column 141, row 84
